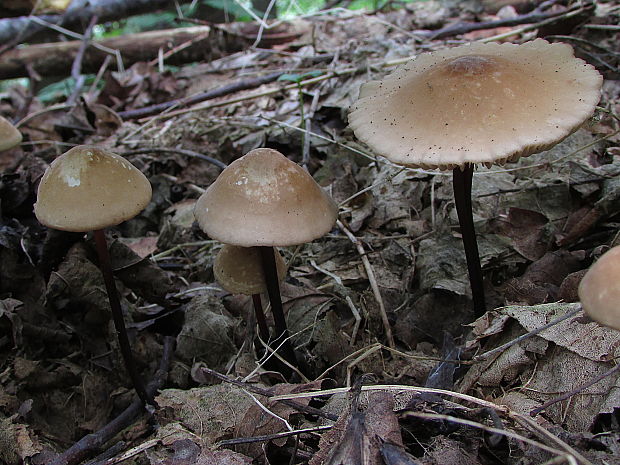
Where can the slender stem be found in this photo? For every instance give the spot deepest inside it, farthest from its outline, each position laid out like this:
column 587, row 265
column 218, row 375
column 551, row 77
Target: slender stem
column 263, row 329
column 117, row 316
column 273, row 289
column 462, row 197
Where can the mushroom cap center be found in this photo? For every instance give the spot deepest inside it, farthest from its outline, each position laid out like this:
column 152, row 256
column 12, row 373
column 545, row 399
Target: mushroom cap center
column 467, row 66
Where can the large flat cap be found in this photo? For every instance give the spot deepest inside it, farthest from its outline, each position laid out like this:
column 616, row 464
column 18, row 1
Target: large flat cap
column 478, row 103
column 88, row 188
column 264, row 199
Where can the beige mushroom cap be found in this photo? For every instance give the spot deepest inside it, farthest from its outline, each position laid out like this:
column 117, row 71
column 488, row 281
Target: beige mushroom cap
column 478, row 103
column 264, row 199
column 88, row 188
column 599, row 290
column 9, row 135
column 239, row 270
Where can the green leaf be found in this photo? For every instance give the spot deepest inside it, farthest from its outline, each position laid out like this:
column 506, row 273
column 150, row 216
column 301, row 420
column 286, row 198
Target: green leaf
column 297, row 78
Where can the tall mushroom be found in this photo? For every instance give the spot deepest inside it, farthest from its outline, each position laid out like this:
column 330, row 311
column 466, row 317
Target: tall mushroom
column 264, row 200
column 89, row 189
column 478, row 103
column 9, row 135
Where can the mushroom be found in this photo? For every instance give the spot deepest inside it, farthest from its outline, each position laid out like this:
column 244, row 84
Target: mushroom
column 479, row 103
column 239, row 271
column 89, row 189
column 9, row 135
column 599, row 290
column 263, row 200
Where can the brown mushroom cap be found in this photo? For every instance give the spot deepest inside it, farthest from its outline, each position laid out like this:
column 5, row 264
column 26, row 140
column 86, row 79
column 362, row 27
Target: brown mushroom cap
column 239, row 270
column 9, row 135
column 88, row 188
column 264, row 199
column 478, row 103
column 599, row 290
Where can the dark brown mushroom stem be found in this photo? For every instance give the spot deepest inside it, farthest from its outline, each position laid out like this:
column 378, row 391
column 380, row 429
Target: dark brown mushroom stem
column 117, row 317
column 273, row 290
column 263, row 329
column 462, row 179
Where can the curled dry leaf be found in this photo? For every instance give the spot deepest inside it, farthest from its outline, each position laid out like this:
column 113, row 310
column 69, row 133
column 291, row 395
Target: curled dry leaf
column 557, row 360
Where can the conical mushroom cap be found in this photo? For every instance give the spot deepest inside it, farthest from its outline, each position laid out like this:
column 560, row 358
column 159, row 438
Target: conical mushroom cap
column 599, row 290
column 478, row 103
column 9, row 135
column 88, row 188
column 264, row 199
column 239, row 270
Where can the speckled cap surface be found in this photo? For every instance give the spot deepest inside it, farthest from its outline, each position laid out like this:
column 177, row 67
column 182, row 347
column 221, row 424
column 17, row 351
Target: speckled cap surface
column 88, row 188
column 478, row 103
column 599, row 290
column 264, row 199
column 239, row 270
column 9, row 135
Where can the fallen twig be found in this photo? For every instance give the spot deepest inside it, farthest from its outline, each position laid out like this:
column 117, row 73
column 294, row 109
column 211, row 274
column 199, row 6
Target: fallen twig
column 269, row 437
column 535, row 16
column 92, row 442
column 264, row 392
column 190, row 153
column 487, row 355
column 577, row 390
column 76, row 68
column 243, row 84
column 373, row 282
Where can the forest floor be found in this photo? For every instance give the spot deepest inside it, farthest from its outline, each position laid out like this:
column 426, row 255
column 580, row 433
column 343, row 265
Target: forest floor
column 541, row 222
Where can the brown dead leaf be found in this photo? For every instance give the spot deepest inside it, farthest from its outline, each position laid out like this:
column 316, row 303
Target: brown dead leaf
column 540, row 282
column 557, row 360
column 207, row 333
column 212, row 413
column 141, row 246
column 357, row 437
column 141, row 275
column 526, row 228
column 222, row 457
column 257, row 422
column 17, row 442
column 447, row 451
column 179, row 446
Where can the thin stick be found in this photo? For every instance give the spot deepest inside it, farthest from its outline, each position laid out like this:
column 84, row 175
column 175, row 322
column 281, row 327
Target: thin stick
column 269, row 437
column 265, row 392
column 76, row 68
column 577, row 390
column 373, row 282
column 273, row 290
column 227, row 89
column 487, row 355
column 188, row 153
column 117, row 316
column 462, row 199
column 474, row 424
column 79, row 451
